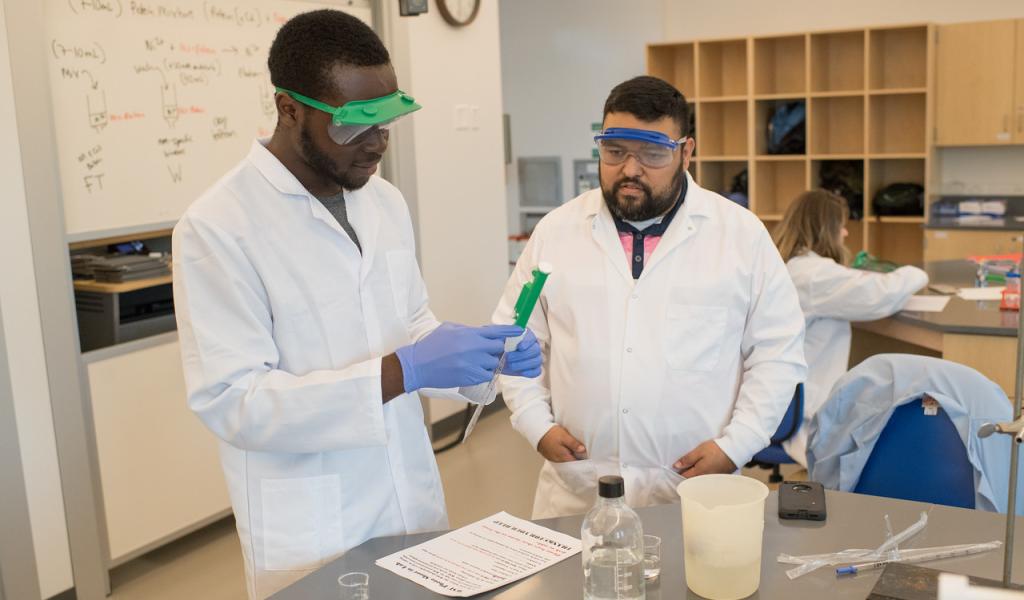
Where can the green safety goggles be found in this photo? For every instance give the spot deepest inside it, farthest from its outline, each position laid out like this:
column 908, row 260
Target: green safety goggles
column 361, row 117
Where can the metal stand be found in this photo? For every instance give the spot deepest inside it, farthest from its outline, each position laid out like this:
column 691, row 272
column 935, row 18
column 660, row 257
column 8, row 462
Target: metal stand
column 1016, row 429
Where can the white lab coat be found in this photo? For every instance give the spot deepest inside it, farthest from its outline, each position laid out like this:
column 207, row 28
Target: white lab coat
column 831, row 296
column 706, row 344
column 282, row 325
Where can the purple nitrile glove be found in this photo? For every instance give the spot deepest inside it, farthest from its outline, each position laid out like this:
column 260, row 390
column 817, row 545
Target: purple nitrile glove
column 454, row 356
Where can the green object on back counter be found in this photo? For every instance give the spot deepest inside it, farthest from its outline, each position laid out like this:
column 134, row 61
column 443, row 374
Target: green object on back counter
column 867, row 262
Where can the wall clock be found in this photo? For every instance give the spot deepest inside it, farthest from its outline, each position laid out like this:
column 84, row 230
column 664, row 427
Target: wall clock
column 458, row 13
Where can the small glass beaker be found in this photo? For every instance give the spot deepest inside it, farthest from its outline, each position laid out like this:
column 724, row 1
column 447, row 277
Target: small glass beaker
column 652, row 558
column 354, row 586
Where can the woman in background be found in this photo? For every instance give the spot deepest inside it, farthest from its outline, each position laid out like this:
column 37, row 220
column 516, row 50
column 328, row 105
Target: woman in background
column 810, row 240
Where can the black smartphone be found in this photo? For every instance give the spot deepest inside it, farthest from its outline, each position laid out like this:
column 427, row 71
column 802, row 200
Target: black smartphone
column 802, row 500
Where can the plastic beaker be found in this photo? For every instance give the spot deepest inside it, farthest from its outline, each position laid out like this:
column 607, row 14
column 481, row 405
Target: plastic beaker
column 723, row 530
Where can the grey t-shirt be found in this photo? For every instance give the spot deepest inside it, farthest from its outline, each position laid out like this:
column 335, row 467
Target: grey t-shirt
column 336, row 206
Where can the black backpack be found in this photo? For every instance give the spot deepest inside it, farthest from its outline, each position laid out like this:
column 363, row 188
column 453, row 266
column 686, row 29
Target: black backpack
column 845, row 178
column 738, row 189
column 787, row 129
column 905, row 199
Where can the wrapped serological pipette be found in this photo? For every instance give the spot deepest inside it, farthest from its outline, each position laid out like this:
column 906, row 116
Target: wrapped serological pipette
column 917, row 555
column 813, row 562
column 859, row 559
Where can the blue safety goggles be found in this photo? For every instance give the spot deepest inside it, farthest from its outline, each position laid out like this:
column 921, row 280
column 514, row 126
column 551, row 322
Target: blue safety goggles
column 652, row 148
column 640, row 135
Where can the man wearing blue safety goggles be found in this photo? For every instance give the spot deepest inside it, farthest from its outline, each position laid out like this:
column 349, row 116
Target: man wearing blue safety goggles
column 306, row 332
column 672, row 337
column 647, row 186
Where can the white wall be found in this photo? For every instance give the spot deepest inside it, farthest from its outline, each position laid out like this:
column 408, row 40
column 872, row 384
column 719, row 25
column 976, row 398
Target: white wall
column 559, row 60
column 23, row 339
column 702, row 19
column 458, row 191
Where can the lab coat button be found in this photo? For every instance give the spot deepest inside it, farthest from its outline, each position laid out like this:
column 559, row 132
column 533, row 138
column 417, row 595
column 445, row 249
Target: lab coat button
column 625, row 411
column 629, row 349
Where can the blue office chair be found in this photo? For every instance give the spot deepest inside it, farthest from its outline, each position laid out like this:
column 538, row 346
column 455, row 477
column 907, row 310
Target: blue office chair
column 773, row 457
column 919, row 457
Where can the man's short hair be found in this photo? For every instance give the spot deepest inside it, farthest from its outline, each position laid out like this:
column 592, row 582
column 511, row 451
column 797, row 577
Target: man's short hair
column 649, row 99
column 309, row 45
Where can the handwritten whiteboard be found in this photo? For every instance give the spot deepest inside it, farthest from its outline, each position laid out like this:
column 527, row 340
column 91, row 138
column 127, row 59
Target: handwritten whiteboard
column 154, row 100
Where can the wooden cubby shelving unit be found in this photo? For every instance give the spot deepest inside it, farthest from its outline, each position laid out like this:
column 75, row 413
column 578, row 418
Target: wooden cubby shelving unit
column 868, row 95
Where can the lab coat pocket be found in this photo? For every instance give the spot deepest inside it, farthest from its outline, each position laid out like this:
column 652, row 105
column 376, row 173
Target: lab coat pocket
column 402, row 271
column 301, row 521
column 693, row 336
column 578, row 476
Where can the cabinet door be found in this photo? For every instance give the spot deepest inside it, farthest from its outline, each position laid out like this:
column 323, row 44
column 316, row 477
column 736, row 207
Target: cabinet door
column 1019, row 97
column 159, row 465
column 975, row 83
column 949, row 244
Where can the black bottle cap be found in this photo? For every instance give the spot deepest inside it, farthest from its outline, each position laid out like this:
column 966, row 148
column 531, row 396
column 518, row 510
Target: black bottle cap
column 611, row 486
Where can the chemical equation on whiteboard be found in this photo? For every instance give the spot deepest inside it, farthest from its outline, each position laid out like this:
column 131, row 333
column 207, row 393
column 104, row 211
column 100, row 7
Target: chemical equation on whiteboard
column 249, row 50
column 241, row 15
column 191, row 63
column 220, row 129
column 91, row 163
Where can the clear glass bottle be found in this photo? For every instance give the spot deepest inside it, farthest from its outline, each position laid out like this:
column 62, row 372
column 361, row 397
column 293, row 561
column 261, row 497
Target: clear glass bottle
column 613, row 546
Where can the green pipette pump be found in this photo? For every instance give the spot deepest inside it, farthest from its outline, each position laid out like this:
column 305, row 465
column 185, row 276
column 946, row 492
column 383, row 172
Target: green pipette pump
column 528, row 298
column 530, row 294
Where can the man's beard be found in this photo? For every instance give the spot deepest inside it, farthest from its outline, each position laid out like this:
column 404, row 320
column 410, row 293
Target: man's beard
column 323, row 165
column 650, row 206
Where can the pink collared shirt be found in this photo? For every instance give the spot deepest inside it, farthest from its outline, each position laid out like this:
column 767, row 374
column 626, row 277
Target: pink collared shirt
column 650, row 243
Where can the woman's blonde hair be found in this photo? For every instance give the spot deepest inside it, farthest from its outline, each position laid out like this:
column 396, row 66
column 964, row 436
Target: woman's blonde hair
column 814, row 222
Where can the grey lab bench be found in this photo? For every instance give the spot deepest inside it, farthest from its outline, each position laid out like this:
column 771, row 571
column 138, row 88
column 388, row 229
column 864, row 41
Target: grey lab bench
column 854, row 521
column 973, row 333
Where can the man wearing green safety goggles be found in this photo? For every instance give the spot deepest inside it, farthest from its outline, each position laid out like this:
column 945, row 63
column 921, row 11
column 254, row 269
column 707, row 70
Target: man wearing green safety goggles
column 306, row 331
column 354, row 122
